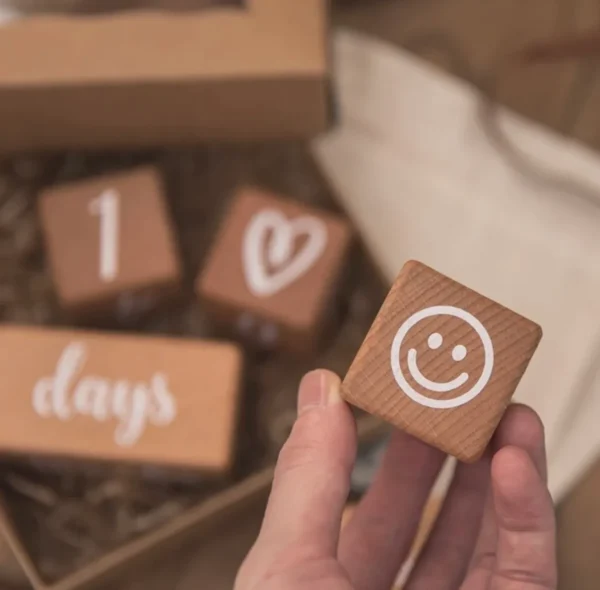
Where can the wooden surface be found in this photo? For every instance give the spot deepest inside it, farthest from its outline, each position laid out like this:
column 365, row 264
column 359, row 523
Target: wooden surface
column 274, row 270
column 131, row 399
column 125, row 259
column 456, row 360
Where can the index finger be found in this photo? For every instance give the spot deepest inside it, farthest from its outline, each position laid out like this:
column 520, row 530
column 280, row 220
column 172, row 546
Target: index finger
column 312, row 480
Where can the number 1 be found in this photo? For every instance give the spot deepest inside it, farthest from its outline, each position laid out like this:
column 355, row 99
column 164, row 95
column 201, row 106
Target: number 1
column 106, row 206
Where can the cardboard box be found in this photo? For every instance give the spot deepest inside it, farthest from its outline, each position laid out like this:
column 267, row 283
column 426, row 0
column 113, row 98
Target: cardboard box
column 205, row 565
column 11, row 572
column 149, row 77
column 196, row 522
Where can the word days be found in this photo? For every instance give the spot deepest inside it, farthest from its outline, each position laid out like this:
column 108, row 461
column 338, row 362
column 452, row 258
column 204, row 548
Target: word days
column 134, row 405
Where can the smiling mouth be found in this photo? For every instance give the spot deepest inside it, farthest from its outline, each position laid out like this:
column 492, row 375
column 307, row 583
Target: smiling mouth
column 432, row 385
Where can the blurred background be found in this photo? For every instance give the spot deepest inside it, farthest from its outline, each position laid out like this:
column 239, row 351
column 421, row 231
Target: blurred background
column 447, row 121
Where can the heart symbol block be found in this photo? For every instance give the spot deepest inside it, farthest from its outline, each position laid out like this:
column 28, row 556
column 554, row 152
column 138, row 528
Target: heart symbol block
column 259, row 255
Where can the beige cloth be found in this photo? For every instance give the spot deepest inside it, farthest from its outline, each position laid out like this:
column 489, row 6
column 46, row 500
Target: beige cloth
column 420, row 178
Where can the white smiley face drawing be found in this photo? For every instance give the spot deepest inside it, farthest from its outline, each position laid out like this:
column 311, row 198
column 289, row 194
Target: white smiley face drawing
column 459, row 353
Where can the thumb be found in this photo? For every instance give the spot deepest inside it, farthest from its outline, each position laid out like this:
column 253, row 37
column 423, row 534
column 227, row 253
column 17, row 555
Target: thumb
column 312, row 476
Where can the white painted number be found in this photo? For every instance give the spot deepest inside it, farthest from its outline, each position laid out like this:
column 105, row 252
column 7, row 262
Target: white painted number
column 106, row 206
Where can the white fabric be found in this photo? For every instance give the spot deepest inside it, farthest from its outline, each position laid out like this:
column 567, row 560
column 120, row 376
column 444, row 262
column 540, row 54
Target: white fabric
column 6, row 14
column 421, row 180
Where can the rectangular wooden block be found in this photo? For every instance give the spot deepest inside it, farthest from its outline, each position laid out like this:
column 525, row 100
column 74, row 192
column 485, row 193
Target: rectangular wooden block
column 110, row 244
column 119, row 398
column 441, row 362
column 274, row 270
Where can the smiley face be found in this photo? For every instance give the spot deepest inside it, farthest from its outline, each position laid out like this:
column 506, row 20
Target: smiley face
column 458, row 354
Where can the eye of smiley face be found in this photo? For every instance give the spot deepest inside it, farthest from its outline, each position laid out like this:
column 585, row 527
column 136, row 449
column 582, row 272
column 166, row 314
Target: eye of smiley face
column 458, row 353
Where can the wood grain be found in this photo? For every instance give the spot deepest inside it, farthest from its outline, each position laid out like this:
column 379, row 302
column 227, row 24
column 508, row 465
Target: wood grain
column 148, row 268
column 447, row 349
column 104, row 405
column 294, row 316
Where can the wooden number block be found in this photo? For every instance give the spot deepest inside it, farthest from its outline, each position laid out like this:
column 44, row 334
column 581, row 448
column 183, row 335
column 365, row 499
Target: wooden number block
column 274, row 270
column 110, row 245
column 117, row 398
column 441, row 362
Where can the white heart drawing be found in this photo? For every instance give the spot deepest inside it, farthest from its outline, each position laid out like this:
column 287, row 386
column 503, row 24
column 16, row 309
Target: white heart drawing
column 280, row 250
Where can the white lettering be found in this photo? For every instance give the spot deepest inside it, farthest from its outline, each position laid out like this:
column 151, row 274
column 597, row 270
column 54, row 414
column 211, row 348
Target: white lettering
column 163, row 408
column 106, row 207
column 133, row 405
column 134, row 416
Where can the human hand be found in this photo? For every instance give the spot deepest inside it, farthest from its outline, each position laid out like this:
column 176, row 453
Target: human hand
column 496, row 530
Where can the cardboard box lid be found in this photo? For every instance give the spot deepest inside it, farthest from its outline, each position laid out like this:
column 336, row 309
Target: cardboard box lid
column 268, row 38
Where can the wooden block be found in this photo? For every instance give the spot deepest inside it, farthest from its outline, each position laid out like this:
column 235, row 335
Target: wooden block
column 441, row 362
column 110, row 245
column 119, row 398
column 274, row 269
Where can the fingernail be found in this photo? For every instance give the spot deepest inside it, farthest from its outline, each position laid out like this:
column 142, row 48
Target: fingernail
column 318, row 389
